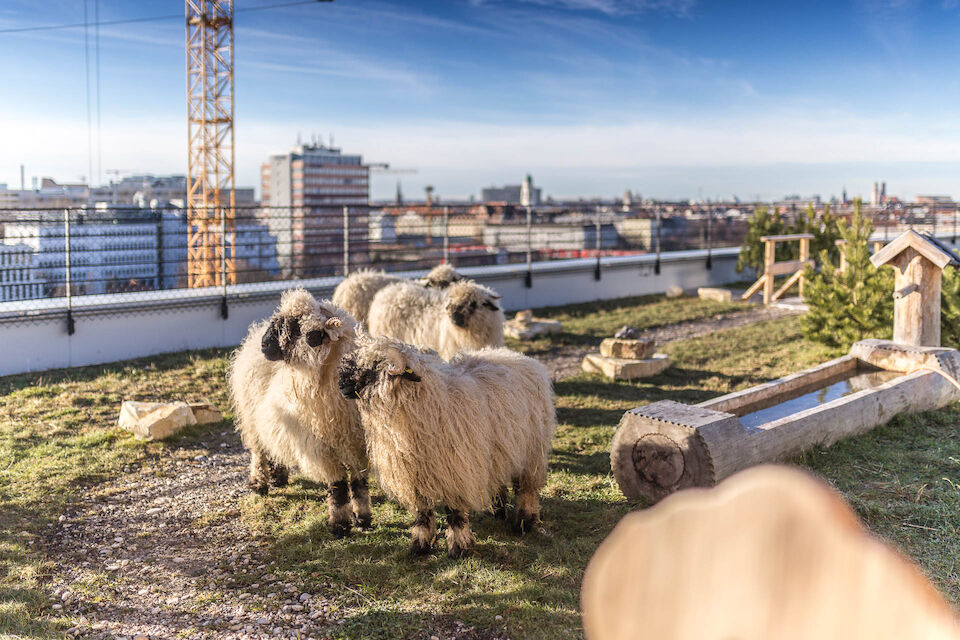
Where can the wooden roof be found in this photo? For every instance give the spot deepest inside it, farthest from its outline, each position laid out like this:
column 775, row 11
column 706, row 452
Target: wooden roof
column 926, row 245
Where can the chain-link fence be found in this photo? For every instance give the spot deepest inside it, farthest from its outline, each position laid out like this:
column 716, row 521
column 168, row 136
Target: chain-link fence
column 48, row 257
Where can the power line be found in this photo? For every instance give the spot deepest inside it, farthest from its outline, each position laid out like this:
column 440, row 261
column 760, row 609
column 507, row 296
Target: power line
column 178, row 16
column 96, row 19
column 86, row 67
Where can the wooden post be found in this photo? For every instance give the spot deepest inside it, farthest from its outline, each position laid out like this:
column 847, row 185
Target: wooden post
column 918, row 263
column 769, row 257
column 804, row 256
column 916, row 314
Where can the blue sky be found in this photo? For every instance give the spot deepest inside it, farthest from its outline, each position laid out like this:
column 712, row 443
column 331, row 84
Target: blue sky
column 671, row 98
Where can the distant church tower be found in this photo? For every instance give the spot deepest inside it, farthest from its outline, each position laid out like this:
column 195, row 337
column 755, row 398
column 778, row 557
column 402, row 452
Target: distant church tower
column 399, row 195
column 526, row 192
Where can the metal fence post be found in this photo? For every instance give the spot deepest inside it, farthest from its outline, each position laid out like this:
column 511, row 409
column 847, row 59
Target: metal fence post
column 954, row 224
column 68, row 276
column 656, row 265
column 709, row 238
column 346, row 241
column 446, row 234
column 528, row 279
column 596, row 269
column 224, row 311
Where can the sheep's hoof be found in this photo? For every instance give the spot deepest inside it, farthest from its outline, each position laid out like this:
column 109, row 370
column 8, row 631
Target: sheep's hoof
column 340, row 529
column 419, row 547
column 455, row 551
column 500, row 512
column 526, row 521
column 260, row 488
column 279, row 478
column 363, row 522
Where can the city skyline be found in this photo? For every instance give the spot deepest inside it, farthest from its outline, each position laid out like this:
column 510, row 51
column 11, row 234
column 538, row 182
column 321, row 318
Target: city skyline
column 671, row 99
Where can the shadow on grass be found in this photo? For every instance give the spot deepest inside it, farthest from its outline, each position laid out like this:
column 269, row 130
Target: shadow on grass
column 162, row 362
column 532, row 580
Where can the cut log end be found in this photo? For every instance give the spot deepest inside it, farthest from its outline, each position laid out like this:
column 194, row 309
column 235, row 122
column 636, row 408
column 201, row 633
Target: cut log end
column 651, row 458
column 658, row 460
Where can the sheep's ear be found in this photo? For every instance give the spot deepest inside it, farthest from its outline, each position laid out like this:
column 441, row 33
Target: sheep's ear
column 495, row 296
column 491, row 306
column 408, row 374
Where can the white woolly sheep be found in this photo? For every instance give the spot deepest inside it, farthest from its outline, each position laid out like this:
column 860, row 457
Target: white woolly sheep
column 289, row 412
column 465, row 315
column 453, row 434
column 356, row 291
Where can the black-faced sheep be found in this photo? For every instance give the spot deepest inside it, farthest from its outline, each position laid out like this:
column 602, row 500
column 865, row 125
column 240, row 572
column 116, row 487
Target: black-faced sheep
column 465, row 315
column 289, row 411
column 453, row 434
column 355, row 293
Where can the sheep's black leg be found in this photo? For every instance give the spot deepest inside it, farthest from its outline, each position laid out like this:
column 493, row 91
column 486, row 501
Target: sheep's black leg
column 459, row 535
column 500, row 502
column 360, row 497
column 338, row 508
column 423, row 533
column 259, row 471
column 279, row 474
column 528, row 504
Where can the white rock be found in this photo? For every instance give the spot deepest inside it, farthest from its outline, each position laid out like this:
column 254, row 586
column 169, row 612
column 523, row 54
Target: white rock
column 205, row 412
column 673, row 291
column 155, row 420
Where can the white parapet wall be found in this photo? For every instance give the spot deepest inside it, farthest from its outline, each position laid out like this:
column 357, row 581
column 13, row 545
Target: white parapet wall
column 116, row 327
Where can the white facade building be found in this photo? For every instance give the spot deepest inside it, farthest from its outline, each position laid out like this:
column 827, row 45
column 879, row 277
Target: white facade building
column 18, row 279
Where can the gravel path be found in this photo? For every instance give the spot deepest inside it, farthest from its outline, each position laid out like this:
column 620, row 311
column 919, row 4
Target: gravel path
column 154, row 554
column 565, row 360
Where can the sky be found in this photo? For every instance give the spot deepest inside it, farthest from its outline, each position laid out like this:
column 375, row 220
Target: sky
column 667, row 98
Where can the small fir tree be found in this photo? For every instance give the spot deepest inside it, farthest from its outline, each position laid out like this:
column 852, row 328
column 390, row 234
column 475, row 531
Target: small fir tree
column 824, row 231
column 852, row 304
column 950, row 308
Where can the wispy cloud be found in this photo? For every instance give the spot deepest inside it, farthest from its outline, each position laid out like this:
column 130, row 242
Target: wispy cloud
column 613, row 7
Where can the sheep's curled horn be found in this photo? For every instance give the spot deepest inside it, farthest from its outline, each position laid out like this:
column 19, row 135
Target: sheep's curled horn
column 315, row 337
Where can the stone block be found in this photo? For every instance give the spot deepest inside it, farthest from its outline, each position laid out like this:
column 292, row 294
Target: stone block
column 673, row 291
column 635, row 349
column 205, row 412
column 155, row 420
column 531, row 329
column 715, row 294
column 625, row 368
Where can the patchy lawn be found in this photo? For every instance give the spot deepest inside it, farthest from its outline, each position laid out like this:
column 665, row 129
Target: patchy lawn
column 58, row 444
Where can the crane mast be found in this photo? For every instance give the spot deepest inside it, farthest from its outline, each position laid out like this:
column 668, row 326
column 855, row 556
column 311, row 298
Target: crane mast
column 210, row 175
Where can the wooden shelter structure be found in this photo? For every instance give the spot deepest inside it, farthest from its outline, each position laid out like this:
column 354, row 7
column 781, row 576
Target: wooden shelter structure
column 772, row 268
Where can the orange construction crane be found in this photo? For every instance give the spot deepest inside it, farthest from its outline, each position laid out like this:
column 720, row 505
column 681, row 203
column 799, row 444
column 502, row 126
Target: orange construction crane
column 210, row 176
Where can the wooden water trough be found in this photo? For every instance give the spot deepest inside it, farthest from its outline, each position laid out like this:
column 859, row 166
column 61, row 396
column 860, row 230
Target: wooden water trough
column 666, row 446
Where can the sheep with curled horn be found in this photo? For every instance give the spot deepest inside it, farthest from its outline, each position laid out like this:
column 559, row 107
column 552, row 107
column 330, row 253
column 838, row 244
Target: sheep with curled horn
column 356, row 292
column 289, row 411
column 465, row 315
column 453, row 434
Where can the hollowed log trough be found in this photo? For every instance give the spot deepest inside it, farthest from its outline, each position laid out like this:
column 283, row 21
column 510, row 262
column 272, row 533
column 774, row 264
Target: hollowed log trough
column 667, row 446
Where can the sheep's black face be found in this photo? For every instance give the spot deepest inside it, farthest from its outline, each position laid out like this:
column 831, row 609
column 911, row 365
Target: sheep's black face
column 460, row 314
column 279, row 338
column 352, row 379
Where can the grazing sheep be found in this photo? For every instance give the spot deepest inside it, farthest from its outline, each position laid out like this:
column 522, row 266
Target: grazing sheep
column 453, row 434
column 465, row 315
column 283, row 381
column 356, row 291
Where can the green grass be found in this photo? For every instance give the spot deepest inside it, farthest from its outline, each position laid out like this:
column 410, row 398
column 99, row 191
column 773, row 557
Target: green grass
column 57, row 440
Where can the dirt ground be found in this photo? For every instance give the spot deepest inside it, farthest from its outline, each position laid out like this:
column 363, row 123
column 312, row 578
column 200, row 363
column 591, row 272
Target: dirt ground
column 161, row 551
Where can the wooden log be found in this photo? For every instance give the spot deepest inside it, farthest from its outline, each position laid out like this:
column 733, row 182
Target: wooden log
column 753, row 288
column 771, row 553
column 787, row 237
column 805, row 259
column 783, row 268
column 916, row 317
column 700, row 445
column 769, row 261
column 786, row 285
